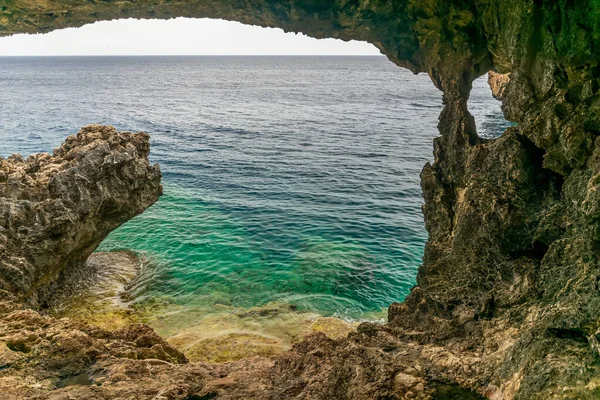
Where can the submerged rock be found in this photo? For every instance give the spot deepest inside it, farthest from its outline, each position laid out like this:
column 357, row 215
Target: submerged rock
column 230, row 334
column 203, row 332
column 100, row 293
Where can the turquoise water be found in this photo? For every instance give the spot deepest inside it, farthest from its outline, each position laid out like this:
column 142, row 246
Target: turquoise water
column 199, row 249
column 287, row 179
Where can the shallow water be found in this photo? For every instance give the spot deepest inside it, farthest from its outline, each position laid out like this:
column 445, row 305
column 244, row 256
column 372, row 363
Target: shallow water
column 288, row 180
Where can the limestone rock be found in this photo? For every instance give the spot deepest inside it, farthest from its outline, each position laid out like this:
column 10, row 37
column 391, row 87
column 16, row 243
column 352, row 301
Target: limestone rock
column 498, row 83
column 56, row 209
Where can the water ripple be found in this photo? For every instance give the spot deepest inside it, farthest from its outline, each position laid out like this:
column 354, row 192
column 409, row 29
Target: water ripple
column 286, row 179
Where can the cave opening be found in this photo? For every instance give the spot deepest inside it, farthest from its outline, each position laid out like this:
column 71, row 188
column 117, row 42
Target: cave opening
column 291, row 183
column 511, row 254
column 487, row 111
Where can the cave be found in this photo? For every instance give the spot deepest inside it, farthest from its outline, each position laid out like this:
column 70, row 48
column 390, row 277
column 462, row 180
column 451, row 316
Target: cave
column 507, row 299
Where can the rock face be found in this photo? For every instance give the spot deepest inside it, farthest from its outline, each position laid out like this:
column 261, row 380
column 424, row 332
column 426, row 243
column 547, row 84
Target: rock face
column 498, row 83
column 56, row 209
column 507, row 300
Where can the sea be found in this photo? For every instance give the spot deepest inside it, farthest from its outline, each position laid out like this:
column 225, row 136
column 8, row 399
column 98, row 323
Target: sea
column 288, row 180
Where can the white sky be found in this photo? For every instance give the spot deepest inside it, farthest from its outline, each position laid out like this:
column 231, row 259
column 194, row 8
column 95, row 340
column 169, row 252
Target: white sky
column 181, row 36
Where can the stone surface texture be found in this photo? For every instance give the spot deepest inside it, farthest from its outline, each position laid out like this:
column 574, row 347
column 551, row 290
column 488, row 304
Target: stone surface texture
column 507, row 300
column 56, row 209
column 498, row 83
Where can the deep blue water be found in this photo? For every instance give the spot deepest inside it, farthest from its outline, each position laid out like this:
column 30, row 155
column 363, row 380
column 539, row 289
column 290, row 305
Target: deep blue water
column 291, row 179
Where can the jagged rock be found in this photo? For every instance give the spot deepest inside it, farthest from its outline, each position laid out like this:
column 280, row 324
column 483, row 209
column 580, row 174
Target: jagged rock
column 44, row 353
column 507, row 300
column 56, row 209
column 498, row 83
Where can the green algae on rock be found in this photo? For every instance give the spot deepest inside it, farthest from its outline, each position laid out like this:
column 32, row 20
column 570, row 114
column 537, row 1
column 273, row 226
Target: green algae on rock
column 100, row 296
column 230, row 334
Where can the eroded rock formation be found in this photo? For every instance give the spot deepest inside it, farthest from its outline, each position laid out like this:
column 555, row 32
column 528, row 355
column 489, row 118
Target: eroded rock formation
column 498, row 83
column 56, row 209
column 507, row 300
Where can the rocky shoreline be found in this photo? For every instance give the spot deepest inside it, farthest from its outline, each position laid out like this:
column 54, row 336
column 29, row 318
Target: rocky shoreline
column 98, row 291
column 90, row 356
column 103, row 351
column 100, row 294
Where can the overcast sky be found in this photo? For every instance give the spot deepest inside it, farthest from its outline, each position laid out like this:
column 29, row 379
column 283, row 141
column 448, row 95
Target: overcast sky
column 181, row 36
